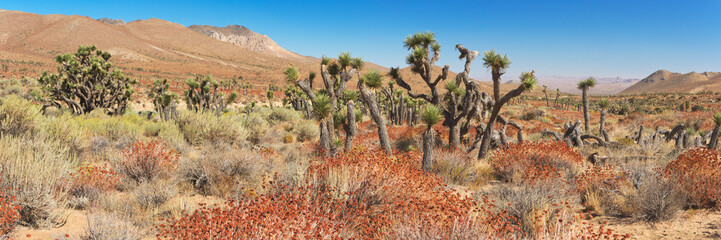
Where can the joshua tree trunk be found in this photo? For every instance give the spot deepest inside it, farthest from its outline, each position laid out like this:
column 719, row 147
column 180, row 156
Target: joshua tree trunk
column 496, row 75
column 586, row 118
column 429, row 137
column 485, row 143
column 714, row 138
column 350, row 127
column 370, row 101
column 324, row 137
column 602, row 128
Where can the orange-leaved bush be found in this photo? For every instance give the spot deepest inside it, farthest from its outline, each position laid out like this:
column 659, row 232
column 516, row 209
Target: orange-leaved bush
column 534, row 161
column 698, row 172
column 9, row 213
column 144, row 161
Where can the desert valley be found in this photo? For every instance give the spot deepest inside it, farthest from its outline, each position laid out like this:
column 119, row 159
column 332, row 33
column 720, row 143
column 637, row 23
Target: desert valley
column 151, row 129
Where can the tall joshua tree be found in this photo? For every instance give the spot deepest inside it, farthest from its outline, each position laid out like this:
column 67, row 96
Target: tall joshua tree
column 584, row 86
column 424, row 53
column 713, row 143
column 528, row 82
column 322, row 110
column 374, row 79
column 431, row 115
column 602, row 129
column 498, row 65
column 460, row 103
column 545, row 92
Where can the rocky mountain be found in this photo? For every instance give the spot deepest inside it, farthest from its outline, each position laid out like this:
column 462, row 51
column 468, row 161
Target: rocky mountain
column 244, row 37
column 111, row 21
column 666, row 81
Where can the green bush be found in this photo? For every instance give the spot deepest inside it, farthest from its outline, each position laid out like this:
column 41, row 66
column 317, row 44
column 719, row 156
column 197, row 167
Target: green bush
column 18, row 116
column 200, row 127
column 307, row 130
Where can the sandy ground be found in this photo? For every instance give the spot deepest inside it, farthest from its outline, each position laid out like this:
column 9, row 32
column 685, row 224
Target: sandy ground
column 694, row 224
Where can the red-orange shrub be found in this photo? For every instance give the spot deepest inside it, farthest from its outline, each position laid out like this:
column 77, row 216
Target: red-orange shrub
column 534, row 161
column 144, row 161
column 90, row 176
column 8, row 213
column 698, row 171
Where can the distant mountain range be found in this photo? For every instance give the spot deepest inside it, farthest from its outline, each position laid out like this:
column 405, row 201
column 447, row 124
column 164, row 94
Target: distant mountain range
column 665, row 81
column 154, row 49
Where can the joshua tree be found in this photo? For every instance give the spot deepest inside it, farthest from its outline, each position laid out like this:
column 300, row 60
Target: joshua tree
column 584, row 86
column 163, row 99
column 714, row 135
column 203, row 95
column 545, row 93
column 498, row 65
column 322, row 110
column 374, row 79
column 528, row 82
column 430, row 116
column 558, row 94
column 87, row 80
column 602, row 129
column 461, row 102
column 270, row 98
column 348, row 122
column 425, row 50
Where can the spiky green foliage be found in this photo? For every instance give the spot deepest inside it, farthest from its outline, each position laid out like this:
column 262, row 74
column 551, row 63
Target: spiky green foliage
column 345, row 59
column 87, row 80
column 717, row 119
column 495, row 61
column 421, row 39
column 325, row 60
column 394, row 73
column 373, row 79
column 358, row 63
column 604, row 103
column 455, row 88
column 421, row 44
column 528, row 80
column 350, row 95
column 586, row 84
column 322, row 107
column 431, row 115
column 203, row 95
column 269, row 94
column 291, row 74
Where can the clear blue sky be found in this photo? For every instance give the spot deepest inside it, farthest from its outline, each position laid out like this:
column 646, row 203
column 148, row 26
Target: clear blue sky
column 572, row 38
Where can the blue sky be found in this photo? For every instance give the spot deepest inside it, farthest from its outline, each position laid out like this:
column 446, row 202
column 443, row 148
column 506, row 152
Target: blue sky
column 572, row 38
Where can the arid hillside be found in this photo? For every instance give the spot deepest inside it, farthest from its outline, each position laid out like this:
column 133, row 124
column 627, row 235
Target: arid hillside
column 154, row 48
column 665, row 81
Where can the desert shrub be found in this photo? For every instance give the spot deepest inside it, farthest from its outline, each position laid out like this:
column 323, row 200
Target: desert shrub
column 532, row 208
column 119, row 130
column 110, row 227
column 533, row 114
column 256, row 125
column 307, row 130
column 146, row 161
column 88, row 182
column 288, row 138
column 602, row 190
column 658, row 198
column 18, row 116
column 454, row 167
column 99, row 145
column 200, row 127
column 66, row 132
column 698, row 172
column 283, row 115
column 153, row 194
column 9, row 214
column 535, row 161
column 218, row 170
column 32, row 170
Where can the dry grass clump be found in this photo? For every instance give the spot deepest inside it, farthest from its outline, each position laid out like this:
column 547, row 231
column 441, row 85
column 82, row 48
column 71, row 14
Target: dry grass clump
column 456, row 167
column 32, row 169
column 64, row 130
column 104, row 226
column 201, row 127
column 19, row 116
column 658, row 198
column 147, row 161
column 218, row 170
column 256, row 125
column 150, row 195
column 307, row 130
